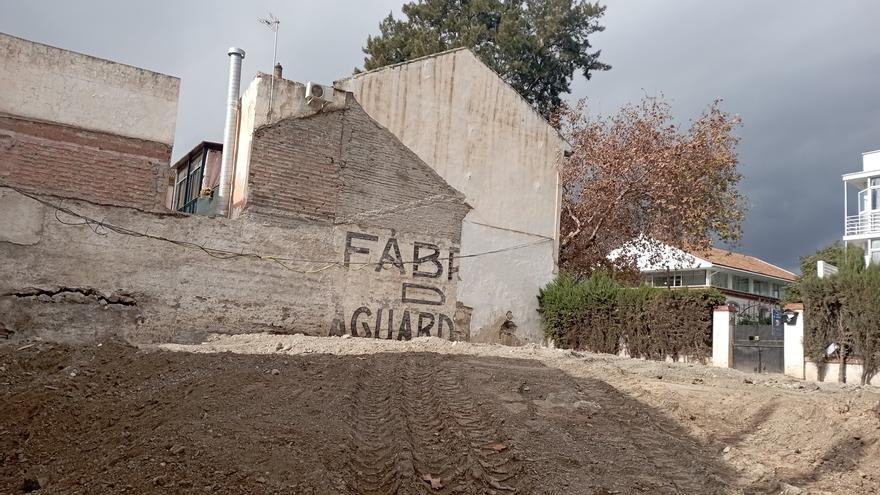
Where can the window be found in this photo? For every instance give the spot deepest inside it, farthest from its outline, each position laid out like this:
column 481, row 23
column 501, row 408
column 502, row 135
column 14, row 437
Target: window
column 874, row 252
column 680, row 279
column 740, row 283
column 671, row 280
column 189, row 184
column 869, row 199
column 761, row 288
column 720, row 280
column 695, row 277
column 777, row 291
column 180, row 189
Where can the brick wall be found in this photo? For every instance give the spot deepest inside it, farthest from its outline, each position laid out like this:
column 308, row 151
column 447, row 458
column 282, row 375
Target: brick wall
column 76, row 163
column 342, row 167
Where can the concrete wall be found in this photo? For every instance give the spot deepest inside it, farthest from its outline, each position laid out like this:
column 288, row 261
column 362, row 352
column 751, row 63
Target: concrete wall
column 487, row 142
column 81, row 127
column 69, row 283
column 871, row 161
column 45, row 83
column 793, row 345
column 355, row 233
column 722, row 335
column 828, row 372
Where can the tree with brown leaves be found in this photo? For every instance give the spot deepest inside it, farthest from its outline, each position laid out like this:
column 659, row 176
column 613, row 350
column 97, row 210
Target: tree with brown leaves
column 636, row 178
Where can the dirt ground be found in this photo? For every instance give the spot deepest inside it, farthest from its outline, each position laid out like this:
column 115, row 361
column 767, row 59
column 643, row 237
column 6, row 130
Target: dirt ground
column 311, row 415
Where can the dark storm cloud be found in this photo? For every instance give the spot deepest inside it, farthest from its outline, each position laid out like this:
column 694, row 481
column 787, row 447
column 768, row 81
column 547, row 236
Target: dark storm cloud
column 804, row 76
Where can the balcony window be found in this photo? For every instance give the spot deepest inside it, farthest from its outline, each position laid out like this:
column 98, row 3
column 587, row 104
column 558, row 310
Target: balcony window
column 680, row 279
column 869, row 199
column 740, row 283
column 719, row 280
column 874, row 252
column 761, row 288
column 778, row 291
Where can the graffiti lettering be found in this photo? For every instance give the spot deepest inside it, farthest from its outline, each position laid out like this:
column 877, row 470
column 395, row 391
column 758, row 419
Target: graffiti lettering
column 426, row 324
column 425, row 329
column 405, row 330
column 452, row 269
column 354, row 317
column 432, row 258
column 349, row 249
column 406, row 295
column 396, row 260
column 427, row 263
column 443, row 318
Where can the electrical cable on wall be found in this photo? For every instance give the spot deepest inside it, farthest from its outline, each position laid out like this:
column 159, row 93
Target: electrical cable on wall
column 103, row 228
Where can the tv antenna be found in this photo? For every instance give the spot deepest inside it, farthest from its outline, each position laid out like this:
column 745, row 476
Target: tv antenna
column 272, row 23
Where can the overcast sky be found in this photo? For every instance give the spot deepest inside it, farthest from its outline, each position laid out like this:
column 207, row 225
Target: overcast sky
column 803, row 75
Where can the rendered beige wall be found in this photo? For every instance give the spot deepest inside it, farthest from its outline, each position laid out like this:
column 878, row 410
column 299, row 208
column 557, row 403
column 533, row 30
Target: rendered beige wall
column 488, row 143
column 50, row 84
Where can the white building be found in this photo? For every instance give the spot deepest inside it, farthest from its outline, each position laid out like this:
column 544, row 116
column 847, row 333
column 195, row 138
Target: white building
column 486, row 141
column 745, row 280
column 863, row 228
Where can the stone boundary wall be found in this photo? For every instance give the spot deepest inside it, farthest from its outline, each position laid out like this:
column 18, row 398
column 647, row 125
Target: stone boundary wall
column 80, row 283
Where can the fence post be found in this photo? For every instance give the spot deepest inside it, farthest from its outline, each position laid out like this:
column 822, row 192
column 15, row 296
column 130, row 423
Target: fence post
column 722, row 349
column 793, row 351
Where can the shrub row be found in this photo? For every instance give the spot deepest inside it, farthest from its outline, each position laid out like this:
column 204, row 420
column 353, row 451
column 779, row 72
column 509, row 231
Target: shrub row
column 845, row 310
column 600, row 315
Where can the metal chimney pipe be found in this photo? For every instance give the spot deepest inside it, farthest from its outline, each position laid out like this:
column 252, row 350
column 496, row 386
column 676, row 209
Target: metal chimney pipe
column 236, row 55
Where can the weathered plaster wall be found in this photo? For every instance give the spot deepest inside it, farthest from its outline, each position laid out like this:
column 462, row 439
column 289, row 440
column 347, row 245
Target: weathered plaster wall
column 485, row 140
column 69, row 282
column 45, row 83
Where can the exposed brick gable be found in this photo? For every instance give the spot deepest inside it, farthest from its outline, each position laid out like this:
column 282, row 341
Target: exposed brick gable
column 76, row 163
column 343, row 167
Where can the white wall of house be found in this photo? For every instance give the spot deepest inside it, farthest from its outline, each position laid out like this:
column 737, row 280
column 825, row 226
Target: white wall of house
column 862, row 225
column 871, row 161
column 487, row 142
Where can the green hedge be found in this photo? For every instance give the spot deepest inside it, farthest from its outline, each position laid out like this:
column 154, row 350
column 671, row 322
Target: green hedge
column 601, row 315
column 844, row 309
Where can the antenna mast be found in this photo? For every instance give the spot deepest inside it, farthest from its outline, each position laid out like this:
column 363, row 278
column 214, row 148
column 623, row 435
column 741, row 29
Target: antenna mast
column 272, row 23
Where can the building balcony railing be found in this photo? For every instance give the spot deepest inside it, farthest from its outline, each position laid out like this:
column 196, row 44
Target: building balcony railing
column 863, row 223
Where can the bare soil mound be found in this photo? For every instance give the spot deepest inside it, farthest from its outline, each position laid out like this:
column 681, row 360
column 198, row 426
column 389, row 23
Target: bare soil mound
column 290, row 417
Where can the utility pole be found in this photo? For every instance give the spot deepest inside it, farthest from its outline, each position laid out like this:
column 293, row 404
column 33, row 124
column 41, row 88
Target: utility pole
column 272, row 23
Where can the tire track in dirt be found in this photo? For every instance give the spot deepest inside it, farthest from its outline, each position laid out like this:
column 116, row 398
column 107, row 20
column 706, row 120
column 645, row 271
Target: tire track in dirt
column 414, row 422
column 378, row 449
column 492, row 460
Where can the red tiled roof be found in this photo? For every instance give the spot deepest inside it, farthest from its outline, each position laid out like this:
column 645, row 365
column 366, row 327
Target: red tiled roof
column 744, row 262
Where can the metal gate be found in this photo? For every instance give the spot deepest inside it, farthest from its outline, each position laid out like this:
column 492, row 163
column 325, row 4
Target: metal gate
column 758, row 340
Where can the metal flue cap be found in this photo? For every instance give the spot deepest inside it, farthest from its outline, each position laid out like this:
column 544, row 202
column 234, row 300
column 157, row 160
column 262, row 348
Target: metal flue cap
column 235, row 51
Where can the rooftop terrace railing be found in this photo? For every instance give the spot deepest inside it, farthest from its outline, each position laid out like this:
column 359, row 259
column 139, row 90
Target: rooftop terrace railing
column 863, row 223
